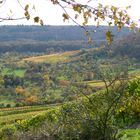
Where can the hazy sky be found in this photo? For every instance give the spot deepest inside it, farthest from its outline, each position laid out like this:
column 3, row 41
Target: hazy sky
column 52, row 15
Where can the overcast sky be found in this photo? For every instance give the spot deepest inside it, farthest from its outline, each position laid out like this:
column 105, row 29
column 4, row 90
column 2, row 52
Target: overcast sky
column 52, row 15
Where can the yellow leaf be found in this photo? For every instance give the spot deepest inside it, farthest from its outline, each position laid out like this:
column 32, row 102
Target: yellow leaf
column 109, row 37
column 134, row 25
column 27, row 15
column 77, row 8
column 90, row 40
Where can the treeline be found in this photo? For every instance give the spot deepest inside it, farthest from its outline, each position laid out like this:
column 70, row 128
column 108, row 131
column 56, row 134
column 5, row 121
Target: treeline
column 24, row 46
column 43, row 39
column 127, row 47
column 57, row 33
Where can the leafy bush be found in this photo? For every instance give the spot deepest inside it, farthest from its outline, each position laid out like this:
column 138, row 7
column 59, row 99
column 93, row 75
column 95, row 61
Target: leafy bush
column 129, row 111
column 7, row 132
column 130, row 134
column 98, row 116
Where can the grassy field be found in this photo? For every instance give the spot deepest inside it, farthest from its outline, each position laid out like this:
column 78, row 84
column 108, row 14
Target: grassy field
column 9, row 119
column 100, row 84
column 53, row 58
column 5, row 101
column 11, row 115
column 17, row 72
column 130, row 134
column 134, row 73
column 96, row 83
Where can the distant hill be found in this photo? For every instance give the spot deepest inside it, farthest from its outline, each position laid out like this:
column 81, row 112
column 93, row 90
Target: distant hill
column 58, row 33
column 44, row 38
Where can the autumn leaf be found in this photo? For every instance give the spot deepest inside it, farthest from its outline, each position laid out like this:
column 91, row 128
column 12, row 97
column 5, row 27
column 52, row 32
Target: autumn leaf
column 41, row 22
column 65, row 16
column 90, row 40
column 27, row 15
column 36, row 19
column 87, row 33
column 133, row 25
column 26, row 7
column 77, row 8
column 32, row 99
column 109, row 37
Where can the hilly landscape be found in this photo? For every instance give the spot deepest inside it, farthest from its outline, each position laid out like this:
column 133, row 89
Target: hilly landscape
column 56, row 86
column 43, row 39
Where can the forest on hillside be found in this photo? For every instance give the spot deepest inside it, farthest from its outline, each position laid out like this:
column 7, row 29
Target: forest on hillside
column 52, row 38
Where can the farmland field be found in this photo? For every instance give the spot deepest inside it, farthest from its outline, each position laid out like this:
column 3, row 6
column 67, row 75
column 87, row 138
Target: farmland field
column 16, row 72
column 53, row 58
column 9, row 119
column 10, row 115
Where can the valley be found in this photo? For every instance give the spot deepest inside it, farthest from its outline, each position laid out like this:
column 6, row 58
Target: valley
column 69, row 92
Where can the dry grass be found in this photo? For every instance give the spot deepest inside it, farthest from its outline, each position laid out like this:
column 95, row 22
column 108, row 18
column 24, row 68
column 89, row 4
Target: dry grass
column 53, row 58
